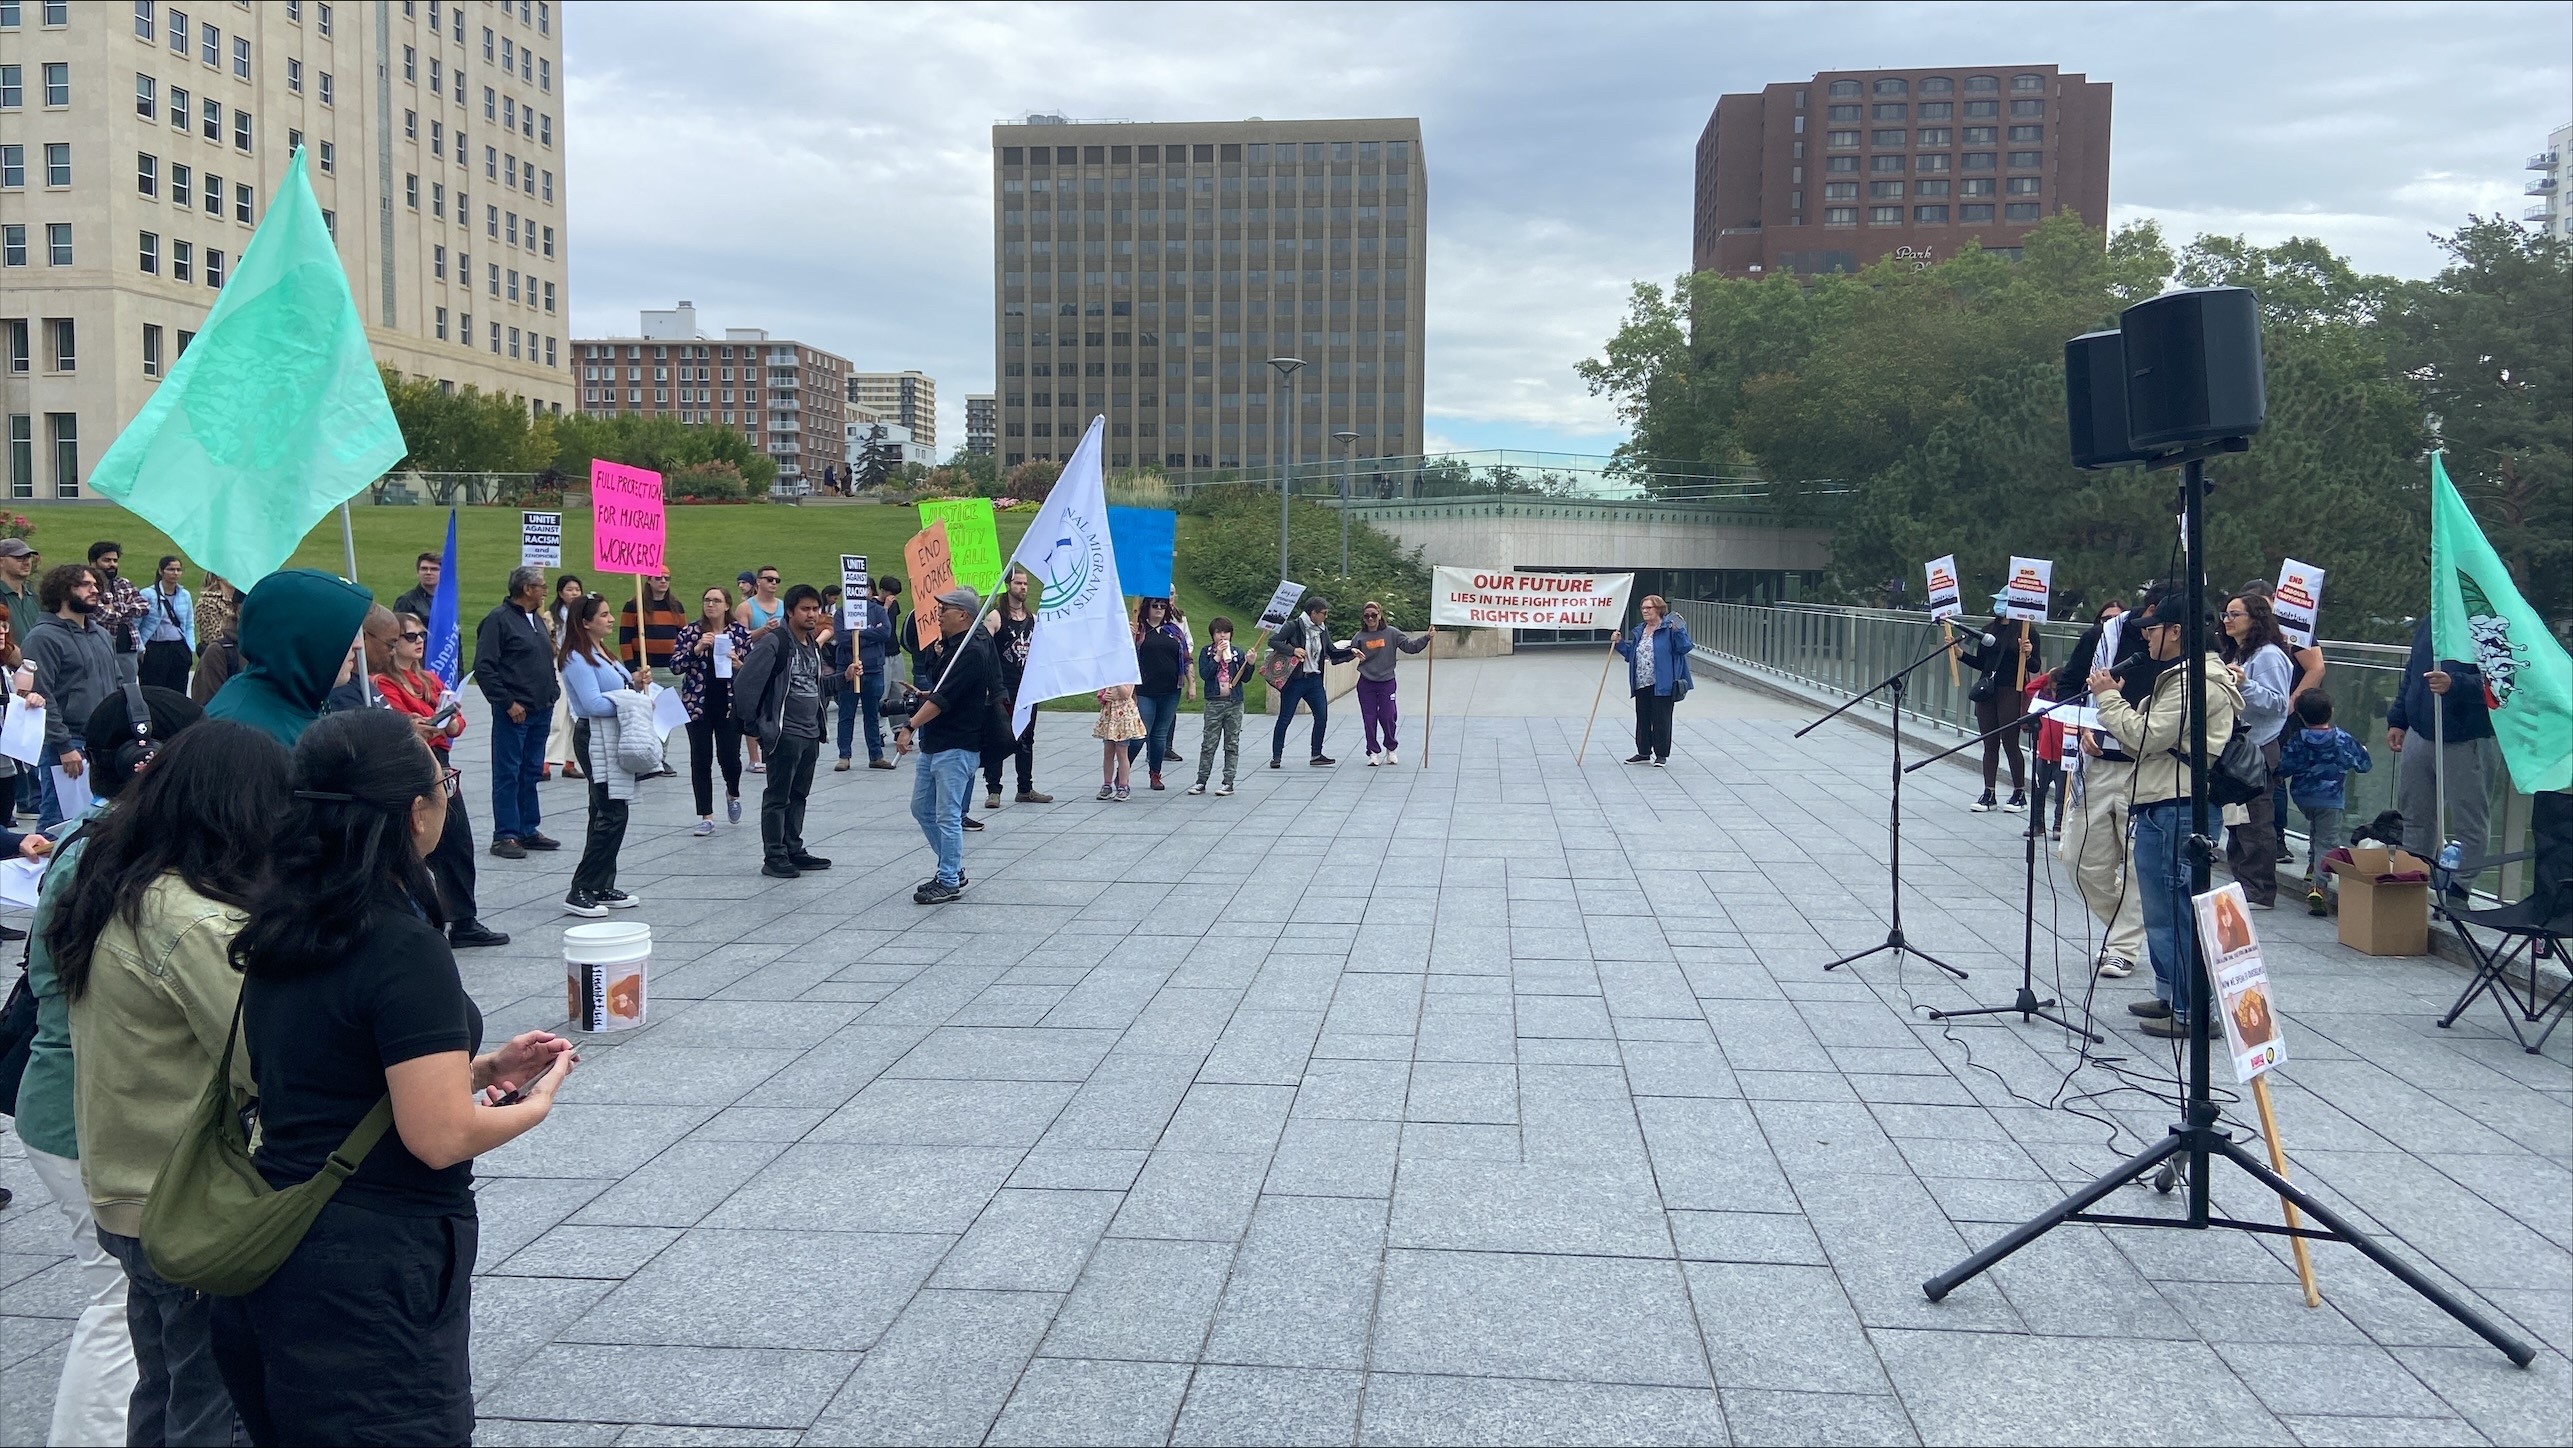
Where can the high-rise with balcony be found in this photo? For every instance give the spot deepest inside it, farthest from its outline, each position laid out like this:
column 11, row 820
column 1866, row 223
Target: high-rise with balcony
column 1148, row 272
column 141, row 143
column 982, row 422
column 908, row 398
column 789, row 398
column 1853, row 166
column 2547, row 212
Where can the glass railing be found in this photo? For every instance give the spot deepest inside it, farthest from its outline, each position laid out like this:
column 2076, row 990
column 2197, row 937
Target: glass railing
column 1840, row 651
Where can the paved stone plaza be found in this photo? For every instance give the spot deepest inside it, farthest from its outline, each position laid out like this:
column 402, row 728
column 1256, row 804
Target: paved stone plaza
column 1501, row 1100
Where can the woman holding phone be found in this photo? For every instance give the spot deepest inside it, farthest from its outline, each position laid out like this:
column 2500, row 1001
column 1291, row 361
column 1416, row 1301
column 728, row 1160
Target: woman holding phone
column 704, row 655
column 350, row 996
column 409, row 688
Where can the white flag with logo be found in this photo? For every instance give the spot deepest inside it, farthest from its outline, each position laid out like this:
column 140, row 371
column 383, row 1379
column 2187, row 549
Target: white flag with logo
column 1082, row 641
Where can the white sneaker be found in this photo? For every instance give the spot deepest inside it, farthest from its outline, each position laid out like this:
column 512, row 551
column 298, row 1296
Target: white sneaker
column 1373, row 760
column 1222, row 790
column 1197, row 789
column 1392, row 758
column 2112, row 968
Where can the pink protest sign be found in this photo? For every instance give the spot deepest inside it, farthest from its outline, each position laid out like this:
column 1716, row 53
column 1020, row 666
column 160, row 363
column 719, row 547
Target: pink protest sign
column 626, row 522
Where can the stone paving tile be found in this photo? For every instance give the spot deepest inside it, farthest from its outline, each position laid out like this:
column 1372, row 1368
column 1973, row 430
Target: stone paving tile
column 1068, row 1400
column 1410, row 1409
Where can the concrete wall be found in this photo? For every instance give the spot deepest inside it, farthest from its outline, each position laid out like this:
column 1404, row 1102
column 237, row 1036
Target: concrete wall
column 1503, row 533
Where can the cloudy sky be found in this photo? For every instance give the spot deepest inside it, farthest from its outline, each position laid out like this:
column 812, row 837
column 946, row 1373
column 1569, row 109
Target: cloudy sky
column 824, row 170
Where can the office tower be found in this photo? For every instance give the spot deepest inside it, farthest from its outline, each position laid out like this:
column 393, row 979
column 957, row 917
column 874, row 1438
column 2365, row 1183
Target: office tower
column 904, row 397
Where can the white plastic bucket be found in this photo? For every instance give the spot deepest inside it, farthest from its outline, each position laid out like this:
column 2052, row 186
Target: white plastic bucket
column 603, row 975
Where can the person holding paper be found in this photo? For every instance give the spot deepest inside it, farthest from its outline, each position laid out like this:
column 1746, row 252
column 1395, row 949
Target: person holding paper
column 2003, row 655
column 75, row 667
column 704, row 655
column 409, row 688
column 949, row 724
column 590, row 676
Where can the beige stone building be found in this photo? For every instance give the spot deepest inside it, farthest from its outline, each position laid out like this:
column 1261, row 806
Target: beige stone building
column 1147, row 272
column 141, row 142
column 908, row 398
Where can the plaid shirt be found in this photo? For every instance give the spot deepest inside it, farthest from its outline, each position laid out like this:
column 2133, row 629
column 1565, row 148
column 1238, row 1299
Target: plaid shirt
column 121, row 606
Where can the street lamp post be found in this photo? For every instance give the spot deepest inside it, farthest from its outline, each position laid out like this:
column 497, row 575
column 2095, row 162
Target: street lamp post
column 1286, row 460
column 1348, row 468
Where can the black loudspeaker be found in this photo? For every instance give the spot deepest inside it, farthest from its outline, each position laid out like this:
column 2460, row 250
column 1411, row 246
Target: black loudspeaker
column 2095, row 401
column 2193, row 371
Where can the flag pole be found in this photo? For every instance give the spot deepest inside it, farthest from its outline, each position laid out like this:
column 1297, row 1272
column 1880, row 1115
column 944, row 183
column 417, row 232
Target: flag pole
column 1596, row 694
column 1429, row 702
column 2278, row 1164
column 348, row 550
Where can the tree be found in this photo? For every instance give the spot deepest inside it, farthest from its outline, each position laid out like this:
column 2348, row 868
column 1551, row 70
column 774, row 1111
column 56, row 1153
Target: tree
column 466, row 430
column 659, row 442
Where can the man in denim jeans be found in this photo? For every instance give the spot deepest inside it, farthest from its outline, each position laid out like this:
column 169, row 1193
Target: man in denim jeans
column 949, row 727
column 2156, row 734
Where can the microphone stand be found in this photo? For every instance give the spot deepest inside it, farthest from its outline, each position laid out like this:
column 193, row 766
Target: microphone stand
column 2025, row 1005
column 1894, row 940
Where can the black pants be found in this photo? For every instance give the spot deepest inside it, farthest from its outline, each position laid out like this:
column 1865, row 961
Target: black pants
column 451, row 864
column 179, row 1395
column 2006, row 706
column 1653, row 723
column 361, row 1337
column 715, row 735
column 606, row 834
column 1023, row 749
column 166, row 665
column 781, row 802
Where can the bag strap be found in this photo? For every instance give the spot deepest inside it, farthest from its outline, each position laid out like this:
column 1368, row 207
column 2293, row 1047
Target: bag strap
column 362, row 1138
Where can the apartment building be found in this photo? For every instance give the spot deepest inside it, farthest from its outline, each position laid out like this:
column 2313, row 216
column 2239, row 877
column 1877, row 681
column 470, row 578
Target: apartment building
column 1841, row 171
column 2548, row 213
column 982, row 422
column 908, row 398
column 140, row 144
column 790, row 398
column 1148, row 272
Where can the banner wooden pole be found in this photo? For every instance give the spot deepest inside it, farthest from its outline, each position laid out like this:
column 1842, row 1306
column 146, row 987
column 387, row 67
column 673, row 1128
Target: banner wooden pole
column 1595, row 695
column 1429, row 702
column 1948, row 631
column 2278, row 1164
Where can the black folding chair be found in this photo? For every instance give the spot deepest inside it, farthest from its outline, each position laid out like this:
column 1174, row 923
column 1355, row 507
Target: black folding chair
column 2533, row 930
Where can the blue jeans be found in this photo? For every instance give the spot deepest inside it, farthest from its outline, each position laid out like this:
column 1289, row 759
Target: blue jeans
column 939, row 789
column 1161, row 716
column 2162, row 885
column 870, row 698
column 848, row 697
column 49, row 806
column 517, row 754
column 1309, row 689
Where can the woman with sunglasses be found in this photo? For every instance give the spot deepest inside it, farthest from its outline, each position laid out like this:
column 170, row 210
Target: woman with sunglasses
column 704, row 655
column 409, row 688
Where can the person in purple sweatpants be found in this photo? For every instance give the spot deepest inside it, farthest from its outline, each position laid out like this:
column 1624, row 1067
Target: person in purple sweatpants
column 1376, row 644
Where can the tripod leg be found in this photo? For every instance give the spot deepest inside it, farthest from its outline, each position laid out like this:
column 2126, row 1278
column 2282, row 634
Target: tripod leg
column 2518, row 1352
column 1862, row 955
column 2054, row 1216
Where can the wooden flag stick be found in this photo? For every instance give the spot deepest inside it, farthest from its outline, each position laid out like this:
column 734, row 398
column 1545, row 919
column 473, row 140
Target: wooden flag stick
column 1429, row 701
column 2278, row 1164
column 1595, row 695
column 1948, row 631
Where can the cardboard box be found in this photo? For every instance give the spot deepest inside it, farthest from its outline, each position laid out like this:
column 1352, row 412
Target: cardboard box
column 2382, row 915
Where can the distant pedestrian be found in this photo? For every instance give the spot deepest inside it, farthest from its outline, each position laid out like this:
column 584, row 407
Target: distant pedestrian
column 559, row 750
column 408, row 688
column 514, row 668
column 169, row 628
column 1176, row 625
column 646, row 644
column 706, row 653
column 1012, row 626
column 120, row 606
column 2316, row 761
column 780, row 701
column 18, row 578
column 422, row 595
column 763, row 613
column 591, row 679
column 75, row 668
column 2004, row 657
column 1305, row 643
column 948, row 727
column 1377, row 644
column 1221, row 669
column 1657, row 675
column 299, row 641
column 862, row 675
column 350, row 996
column 1162, row 666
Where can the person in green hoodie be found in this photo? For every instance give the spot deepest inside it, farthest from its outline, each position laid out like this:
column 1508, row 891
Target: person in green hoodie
column 298, row 630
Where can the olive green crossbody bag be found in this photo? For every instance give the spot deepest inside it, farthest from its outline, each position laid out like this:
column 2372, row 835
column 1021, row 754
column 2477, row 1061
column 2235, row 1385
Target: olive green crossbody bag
column 213, row 1222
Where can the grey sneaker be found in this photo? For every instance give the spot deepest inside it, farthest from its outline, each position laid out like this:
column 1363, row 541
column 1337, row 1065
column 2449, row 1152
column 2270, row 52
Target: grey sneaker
column 1224, row 789
column 1198, row 788
column 703, row 829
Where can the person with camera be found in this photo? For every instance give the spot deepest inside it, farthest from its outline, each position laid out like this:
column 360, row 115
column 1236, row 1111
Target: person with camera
column 2157, row 734
column 779, row 698
column 947, row 727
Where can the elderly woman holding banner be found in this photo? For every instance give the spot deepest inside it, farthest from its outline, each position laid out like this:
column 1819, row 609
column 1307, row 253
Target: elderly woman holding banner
column 1656, row 652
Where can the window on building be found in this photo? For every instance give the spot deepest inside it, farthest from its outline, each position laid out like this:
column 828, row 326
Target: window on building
column 2024, row 185
column 411, row 125
column 1885, row 164
column 63, row 430
column 1885, row 190
column 183, row 261
column 330, row 158
column 1930, row 164
column 1982, row 110
column 2027, row 110
column 240, row 58
column 1930, row 215
column 16, row 327
column 1841, row 113
column 1979, row 161
column 1885, row 216
column 143, row 20
column 438, row 262
column 1840, row 191
column 58, row 243
column 146, row 103
column 13, row 166
column 58, row 163
column 240, row 131
column 151, row 349
column 65, row 351
column 1936, row 136
column 57, row 83
column 241, row 202
column 295, row 76
column 2027, row 160
column 22, row 449
column 1887, row 138
column 1889, row 111
column 1841, row 140
column 411, row 190
column 214, row 266
column 549, row 241
column 442, row 324
column 2026, row 135
column 1841, row 88
column 1840, row 216
column 149, row 253
column 325, row 91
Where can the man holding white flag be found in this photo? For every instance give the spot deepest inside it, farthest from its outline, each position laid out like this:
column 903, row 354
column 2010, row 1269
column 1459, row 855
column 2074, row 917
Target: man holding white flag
column 1082, row 641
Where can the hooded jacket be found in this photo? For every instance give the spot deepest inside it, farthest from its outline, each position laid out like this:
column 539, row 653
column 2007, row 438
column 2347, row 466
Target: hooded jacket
column 296, row 630
column 75, row 668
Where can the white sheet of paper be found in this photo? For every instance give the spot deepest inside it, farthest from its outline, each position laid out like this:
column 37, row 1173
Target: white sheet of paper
column 669, row 711
column 73, row 793
column 19, row 881
column 22, row 734
column 723, row 656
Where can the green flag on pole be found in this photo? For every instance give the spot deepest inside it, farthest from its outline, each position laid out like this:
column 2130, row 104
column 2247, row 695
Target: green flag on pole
column 2477, row 615
column 274, row 416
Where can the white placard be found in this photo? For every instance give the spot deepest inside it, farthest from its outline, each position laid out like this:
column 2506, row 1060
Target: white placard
column 1944, row 600
column 19, row 882
column 1506, row 598
column 22, row 734
column 72, row 794
column 853, row 591
column 669, row 711
column 2297, row 600
column 1281, row 606
column 2244, row 1000
column 723, row 655
column 540, row 540
column 2032, row 581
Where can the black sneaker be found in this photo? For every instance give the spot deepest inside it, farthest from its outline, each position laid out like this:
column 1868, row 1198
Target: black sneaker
column 808, row 862
column 1985, row 805
column 780, row 870
column 508, row 849
column 936, row 892
column 1275, row 762
column 1322, row 761
column 616, row 899
column 585, row 904
column 1639, row 759
column 474, row 933
column 2018, row 803
column 972, row 823
column 540, row 841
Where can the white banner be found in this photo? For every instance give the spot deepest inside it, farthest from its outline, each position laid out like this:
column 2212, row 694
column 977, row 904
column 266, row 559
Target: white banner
column 540, row 540
column 2297, row 601
column 1281, row 606
column 2243, row 993
column 853, row 591
column 1944, row 601
column 1501, row 598
column 2032, row 580
column 1082, row 640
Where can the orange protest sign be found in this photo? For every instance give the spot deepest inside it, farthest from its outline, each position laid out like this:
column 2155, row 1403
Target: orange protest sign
column 932, row 571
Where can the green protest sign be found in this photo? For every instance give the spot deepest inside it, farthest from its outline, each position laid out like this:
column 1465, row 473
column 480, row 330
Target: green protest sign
column 973, row 540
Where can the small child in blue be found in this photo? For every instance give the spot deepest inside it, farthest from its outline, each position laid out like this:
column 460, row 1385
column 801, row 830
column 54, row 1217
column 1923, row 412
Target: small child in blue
column 2317, row 760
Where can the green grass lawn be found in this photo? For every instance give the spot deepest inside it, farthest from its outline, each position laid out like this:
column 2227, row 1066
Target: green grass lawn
column 708, row 545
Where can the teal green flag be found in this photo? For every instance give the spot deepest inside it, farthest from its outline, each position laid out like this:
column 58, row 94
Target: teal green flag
column 274, row 416
column 2477, row 615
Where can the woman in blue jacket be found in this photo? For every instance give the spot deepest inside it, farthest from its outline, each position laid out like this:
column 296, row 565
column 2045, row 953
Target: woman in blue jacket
column 1657, row 673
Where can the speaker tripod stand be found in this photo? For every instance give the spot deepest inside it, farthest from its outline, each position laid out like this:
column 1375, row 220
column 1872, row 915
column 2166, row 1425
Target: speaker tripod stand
column 1895, row 941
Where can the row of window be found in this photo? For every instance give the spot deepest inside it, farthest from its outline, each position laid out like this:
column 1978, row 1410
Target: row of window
column 62, row 349
column 204, row 40
column 499, row 337
column 1931, row 136
column 56, row 13
column 13, row 243
column 1394, row 340
column 1967, row 214
column 1257, row 153
column 183, row 262
column 1203, row 184
column 505, row 284
column 183, row 117
column 1933, row 111
column 1176, row 279
column 185, row 186
column 1893, row 190
column 1940, row 85
column 53, row 74
column 13, row 165
column 1934, row 164
column 1398, row 216
column 62, row 446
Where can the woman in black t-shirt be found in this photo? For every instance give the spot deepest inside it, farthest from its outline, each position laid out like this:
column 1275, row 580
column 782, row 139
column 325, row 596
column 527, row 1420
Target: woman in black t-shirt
column 352, row 994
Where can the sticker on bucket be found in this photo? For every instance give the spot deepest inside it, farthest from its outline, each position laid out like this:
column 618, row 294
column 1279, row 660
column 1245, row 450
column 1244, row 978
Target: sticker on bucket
column 604, row 970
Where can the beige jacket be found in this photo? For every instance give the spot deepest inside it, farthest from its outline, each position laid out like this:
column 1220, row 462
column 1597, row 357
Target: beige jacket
column 146, row 1035
column 2150, row 734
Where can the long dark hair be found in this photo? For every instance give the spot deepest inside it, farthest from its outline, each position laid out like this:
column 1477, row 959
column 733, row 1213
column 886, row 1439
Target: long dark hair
column 576, row 630
column 345, row 848
column 2264, row 630
column 207, row 808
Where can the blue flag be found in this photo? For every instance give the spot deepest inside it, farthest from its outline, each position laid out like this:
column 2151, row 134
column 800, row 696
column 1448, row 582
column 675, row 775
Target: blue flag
column 1145, row 539
column 446, row 656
